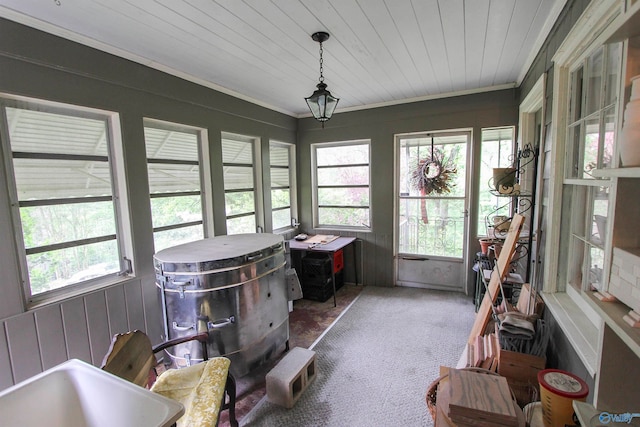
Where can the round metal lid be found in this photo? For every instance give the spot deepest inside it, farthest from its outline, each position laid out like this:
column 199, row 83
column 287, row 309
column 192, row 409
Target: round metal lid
column 218, row 248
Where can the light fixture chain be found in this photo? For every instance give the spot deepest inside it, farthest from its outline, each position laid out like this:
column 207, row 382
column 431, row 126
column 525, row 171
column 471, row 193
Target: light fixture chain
column 321, row 62
column 321, row 103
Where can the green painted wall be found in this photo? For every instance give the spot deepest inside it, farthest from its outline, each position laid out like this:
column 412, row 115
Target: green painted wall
column 43, row 66
column 489, row 109
column 39, row 65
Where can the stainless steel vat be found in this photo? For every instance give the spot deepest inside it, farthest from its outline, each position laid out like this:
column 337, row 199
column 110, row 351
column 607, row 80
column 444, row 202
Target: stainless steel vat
column 232, row 286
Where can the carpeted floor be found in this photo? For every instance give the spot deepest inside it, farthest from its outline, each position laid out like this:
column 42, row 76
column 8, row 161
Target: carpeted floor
column 307, row 322
column 377, row 361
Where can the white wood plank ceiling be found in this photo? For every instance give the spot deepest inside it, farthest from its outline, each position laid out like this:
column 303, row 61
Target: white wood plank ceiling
column 380, row 52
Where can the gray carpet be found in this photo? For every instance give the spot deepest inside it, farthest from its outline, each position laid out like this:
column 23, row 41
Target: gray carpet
column 377, row 361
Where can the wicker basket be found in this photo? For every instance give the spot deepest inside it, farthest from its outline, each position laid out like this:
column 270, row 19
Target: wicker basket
column 432, row 394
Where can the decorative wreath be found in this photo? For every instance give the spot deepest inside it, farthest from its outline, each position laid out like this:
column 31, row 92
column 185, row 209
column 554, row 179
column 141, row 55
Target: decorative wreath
column 433, row 174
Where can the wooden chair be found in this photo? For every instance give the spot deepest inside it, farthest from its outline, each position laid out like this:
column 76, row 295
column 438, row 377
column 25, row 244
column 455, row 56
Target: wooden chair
column 201, row 388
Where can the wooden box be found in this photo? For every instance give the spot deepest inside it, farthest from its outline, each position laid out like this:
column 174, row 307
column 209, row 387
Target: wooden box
column 521, row 371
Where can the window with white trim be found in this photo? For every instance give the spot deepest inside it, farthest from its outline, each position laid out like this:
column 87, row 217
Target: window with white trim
column 175, row 174
column 62, row 179
column 241, row 166
column 590, row 142
column 497, row 148
column 283, row 194
column 341, row 188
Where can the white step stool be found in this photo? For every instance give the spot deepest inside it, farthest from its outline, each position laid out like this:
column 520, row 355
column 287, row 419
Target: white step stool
column 291, row 376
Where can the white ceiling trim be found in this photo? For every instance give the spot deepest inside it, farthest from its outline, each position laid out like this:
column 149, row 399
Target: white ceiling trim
column 422, row 98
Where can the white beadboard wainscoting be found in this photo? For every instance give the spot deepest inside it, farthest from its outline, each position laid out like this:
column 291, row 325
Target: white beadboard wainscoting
column 77, row 328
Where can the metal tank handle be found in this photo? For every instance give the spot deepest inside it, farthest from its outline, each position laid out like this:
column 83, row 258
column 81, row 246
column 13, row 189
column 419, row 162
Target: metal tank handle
column 214, row 324
column 177, row 327
column 221, row 323
column 254, row 256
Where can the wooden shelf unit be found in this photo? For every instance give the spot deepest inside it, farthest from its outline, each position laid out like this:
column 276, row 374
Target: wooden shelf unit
column 612, row 314
column 618, row 371
column 619, row 344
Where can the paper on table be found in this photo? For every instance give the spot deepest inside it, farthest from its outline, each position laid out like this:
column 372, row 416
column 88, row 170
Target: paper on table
column 321, row 238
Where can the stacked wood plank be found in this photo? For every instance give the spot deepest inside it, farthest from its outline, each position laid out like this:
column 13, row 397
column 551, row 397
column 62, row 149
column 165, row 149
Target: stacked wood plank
column 480, row 400
column 484, row 352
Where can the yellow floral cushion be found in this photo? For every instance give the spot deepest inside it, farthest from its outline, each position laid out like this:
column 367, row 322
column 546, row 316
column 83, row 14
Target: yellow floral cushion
column 200, row 388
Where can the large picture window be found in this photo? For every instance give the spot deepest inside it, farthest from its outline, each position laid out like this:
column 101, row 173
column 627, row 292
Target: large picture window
column 173, row 165
column 62, row 179
column 341, row 184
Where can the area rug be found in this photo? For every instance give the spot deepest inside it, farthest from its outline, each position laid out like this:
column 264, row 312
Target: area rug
column 377, row 361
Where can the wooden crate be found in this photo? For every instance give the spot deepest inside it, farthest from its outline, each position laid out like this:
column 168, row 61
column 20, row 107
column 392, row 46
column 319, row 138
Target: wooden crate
column 521, row 371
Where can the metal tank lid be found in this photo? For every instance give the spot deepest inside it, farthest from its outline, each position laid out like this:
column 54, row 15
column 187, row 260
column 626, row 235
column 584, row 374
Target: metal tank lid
column 218, row 248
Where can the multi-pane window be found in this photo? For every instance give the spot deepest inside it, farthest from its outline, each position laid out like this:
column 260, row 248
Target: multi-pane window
column 592, row 114
column 341, row 184
column 62, row 179
column 173, row 166
column 590, row 143
column 496, row 152
column 240, row 183
column 281, row 171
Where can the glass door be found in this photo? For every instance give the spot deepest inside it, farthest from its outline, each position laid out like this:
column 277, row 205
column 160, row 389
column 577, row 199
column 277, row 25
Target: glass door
column 432, row 209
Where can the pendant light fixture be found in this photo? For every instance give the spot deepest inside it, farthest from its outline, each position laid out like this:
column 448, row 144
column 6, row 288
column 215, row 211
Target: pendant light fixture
column 321, row 102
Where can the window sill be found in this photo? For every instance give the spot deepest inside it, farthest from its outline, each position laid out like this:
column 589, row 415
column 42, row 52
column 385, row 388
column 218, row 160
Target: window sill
column 612, row 313
column 625, row 172
column 66, row 294
column 335, row 229
column 284, row 231
column 578, row 327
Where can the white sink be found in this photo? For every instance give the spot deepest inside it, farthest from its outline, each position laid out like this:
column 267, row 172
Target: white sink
column 77, row 394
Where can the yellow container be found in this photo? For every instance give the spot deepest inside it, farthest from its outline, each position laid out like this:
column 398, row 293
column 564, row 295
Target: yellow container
column 558, row 390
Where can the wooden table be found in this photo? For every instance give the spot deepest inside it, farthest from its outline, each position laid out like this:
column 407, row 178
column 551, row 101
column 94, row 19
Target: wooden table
column 329, row 248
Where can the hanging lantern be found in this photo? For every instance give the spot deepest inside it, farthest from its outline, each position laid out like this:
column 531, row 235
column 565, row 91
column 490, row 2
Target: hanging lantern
column 321, row 102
